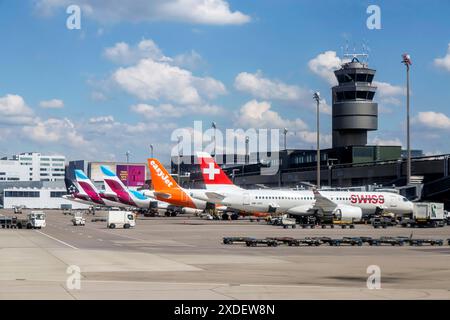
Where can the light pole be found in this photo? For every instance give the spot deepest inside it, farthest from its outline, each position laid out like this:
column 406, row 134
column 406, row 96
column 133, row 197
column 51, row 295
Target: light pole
column 330, row 173
column 285, row 131
column 234, row 173
column 179, row 161
column 127, row 154
column 151, row 148
column 246, row 149
column 407, row 62
column 316, row 97
column 214, row 126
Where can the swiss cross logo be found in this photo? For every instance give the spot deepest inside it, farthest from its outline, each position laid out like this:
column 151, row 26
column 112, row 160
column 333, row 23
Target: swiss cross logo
column 211, row 171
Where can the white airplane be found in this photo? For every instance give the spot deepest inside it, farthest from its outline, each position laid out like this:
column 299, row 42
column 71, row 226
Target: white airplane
column 343, row 205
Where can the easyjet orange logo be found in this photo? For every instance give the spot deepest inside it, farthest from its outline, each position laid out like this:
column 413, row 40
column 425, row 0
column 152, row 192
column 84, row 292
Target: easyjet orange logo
column 161, row 174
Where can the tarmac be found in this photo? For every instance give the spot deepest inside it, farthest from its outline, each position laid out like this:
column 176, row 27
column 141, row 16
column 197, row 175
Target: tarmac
column 184, row 258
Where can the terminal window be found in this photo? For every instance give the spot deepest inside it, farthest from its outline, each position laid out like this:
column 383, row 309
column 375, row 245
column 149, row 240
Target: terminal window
column 22, row 194
column 57, row 194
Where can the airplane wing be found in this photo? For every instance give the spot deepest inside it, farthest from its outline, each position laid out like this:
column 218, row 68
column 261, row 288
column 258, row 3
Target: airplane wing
column 322, row 203
column 215, row 196
column 110, row 194
column 163, row 195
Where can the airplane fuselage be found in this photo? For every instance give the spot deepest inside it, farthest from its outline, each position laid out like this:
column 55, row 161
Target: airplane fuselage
column 281, row 201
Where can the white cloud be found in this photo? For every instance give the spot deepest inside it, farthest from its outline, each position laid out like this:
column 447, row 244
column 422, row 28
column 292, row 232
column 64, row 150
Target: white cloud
column 190, row 60
column 122, row 53
column 445, row 61
column 310, row 137
column 432, row 120
column 101, row 119
column 170, row 111
column 14, row 111
column 98, row 96
column 264, row 88
column 152, row 80
column 256, row 114
column 52, row 104
column 208, row 12
column 324, row 66
column 388, row 93
column 386, row 142
column 54, row 131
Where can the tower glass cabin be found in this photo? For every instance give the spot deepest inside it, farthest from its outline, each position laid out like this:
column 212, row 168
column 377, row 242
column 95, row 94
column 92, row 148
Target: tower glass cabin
column 354, row 112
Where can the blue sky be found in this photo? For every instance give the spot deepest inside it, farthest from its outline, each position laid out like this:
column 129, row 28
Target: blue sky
column 138, row 70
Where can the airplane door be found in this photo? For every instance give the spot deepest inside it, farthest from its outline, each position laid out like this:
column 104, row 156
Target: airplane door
column 246, row 199
column 393, row 201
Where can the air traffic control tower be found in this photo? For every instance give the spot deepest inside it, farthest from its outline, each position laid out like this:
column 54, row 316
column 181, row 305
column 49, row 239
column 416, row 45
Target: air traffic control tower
column 354, row 112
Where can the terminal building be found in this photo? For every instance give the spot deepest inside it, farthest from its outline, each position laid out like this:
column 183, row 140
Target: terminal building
column 38, row 198
column 351, row 162
column 32, row 166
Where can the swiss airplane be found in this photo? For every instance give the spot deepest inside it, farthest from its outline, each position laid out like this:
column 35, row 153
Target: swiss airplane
column 344, row 205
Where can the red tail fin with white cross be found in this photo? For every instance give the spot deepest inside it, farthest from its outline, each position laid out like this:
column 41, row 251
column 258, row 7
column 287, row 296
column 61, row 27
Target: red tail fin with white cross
column 213, row 175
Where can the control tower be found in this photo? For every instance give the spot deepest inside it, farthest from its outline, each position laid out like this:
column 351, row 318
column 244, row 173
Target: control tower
column 354, row 112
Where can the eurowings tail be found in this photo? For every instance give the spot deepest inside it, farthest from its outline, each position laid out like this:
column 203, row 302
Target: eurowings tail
column 86, row 186
column 113, row 185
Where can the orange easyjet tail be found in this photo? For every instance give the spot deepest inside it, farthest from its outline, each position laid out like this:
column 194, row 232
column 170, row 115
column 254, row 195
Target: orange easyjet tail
column 166, row 188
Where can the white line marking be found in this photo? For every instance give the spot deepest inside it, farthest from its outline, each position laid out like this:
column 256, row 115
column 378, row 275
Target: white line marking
column 60, row 241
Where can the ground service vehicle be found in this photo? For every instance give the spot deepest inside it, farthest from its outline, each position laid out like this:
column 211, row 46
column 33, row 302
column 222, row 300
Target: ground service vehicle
column 120, row 219
column 34, row 220
column 426, row 214
column 78, row 219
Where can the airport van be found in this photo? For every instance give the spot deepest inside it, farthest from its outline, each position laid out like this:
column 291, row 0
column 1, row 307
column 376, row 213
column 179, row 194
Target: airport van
column 120, row 219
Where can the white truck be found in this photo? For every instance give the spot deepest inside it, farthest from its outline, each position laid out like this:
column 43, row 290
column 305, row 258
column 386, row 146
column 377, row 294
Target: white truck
column 120, row 219
column 34, row 220
column 426, row 214
column 78, row 219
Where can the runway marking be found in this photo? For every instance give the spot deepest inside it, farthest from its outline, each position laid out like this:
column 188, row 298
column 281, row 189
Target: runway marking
column 100, row 239
column 89, row 236
column 60, row 241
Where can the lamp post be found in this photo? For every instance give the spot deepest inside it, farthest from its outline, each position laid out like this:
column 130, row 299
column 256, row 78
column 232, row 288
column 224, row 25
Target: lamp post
column 214, row 126
column 127, row 154
column 234, row 173
column 179, row 161
column 285, row 131
column 247, row 139
column 407, row 62
column 151, row 150
column 316, row 97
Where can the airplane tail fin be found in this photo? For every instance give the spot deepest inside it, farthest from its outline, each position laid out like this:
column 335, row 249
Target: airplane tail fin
column 213, row 175
column 161, row 179
column 112, row 182
column 85, row 185
column 71, row 186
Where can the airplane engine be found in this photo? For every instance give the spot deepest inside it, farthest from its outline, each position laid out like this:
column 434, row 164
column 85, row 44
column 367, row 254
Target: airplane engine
column 304, row 210
column 191, row 211
column 347, row 213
